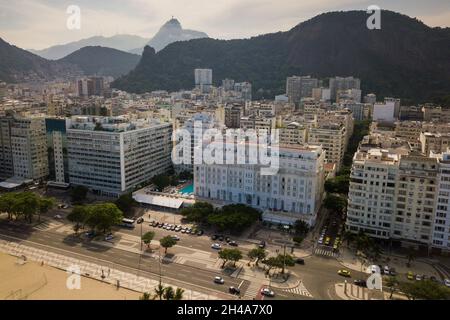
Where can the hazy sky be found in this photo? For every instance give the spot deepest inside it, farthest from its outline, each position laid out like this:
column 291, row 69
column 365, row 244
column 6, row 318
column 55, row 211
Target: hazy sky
column 38, row 24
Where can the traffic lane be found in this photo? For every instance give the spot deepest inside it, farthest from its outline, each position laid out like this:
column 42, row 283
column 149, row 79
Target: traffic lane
column 187, row 240
column 319, row 275
column 179, row 272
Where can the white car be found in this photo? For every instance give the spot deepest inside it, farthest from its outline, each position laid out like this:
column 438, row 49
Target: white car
column 447, row 282
column 175, row 237
column 386, row 269
column 109, row 237
column 219, row 280
column 216, row 246
column 267, row 292
column 57, row 216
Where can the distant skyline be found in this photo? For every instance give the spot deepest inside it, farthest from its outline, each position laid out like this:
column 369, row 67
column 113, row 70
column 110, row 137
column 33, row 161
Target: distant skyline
column 39, row 24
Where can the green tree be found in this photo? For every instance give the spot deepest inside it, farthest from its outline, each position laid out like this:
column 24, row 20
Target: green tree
column 425, row 290
column 159, row 291
column 169, row 293
column 234, row 217
column 285, row 260
column 334, row 202
column 298, row 240
column 102, row 216
column 45, row 204
column 7, row 201
column 301, row 227
column 230, row 255
column 126, row 203
column 272, row 262
column 167, row 242
column 78, row 194
column 257, row 254
column 26, row 204
column 148, row 237
column 178, row 294
column 78, row 215
column 198, row 212
column 145, row 296
column 161, row 181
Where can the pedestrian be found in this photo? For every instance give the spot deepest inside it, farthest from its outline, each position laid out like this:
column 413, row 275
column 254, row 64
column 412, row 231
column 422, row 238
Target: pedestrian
column 109, row 271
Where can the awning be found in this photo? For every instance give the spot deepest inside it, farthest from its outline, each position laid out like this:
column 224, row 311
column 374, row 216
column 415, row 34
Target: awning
column 160, row 201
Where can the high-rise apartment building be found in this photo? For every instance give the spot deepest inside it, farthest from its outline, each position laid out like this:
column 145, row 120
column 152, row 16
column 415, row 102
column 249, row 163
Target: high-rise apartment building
column 203, row 80
column 29, row 147
column 300, row 87
column 341, row 84
column 112, row 156
column 58, row 162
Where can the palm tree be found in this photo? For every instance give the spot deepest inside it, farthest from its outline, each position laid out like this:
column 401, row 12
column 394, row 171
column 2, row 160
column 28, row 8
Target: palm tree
column 159, row 291
column 178, row 294
column 169, row 294
column 145, row 296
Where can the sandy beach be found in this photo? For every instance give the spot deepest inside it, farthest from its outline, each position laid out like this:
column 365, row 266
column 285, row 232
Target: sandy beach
column 32, row 281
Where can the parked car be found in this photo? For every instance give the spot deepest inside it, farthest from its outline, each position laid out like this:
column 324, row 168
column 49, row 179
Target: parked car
column 90, row 234
column 299, row 261
column 234, row 290
column 392, row 272
column 200, row 232
column 172, row 228
column 216, row 246
column 214, row 237
column 410, row 275
column 140, row 220
column 262, row 244
column 386, row 269
column 175, row 237
column 344, row 273
column 220, row 238
column 327, row 240
column 233, row 243
column 227, row 239
column 419, row 277
column 178, row 229
column 360, row 283
column 267, row 292
column 219, row 280
column 109, row 237
column 57, row 216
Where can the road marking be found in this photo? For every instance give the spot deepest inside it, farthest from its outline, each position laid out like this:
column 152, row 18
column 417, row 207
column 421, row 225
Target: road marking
column 240, row 284
column 115, row 263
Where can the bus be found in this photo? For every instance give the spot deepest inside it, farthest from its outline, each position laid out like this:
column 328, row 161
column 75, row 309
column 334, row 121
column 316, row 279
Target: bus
column 127, row 223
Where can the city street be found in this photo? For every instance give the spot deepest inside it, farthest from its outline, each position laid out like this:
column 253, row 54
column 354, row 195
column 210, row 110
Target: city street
column 318, row 274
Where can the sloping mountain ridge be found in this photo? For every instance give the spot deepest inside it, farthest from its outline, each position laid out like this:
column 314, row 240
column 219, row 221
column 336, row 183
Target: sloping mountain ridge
column 101, row 61
column 121, row 42
column 406, row 58
column 17, row 65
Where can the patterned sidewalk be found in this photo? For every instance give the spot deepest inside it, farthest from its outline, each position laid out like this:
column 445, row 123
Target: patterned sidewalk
column 93, row 270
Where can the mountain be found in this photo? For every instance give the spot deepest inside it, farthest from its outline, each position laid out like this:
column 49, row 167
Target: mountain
column 170, row 32
column 102, row 61
column 120, row 42
column 17, row 65
column 405, row 59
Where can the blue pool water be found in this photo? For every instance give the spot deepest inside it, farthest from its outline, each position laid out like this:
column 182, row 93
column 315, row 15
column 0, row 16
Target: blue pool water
column 188, row 189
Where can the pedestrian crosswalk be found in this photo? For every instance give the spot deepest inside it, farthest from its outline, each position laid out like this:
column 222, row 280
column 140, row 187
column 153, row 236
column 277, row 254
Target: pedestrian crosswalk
column 300, row 290
column 48, row 225
column 252, row 291
column 325, row 252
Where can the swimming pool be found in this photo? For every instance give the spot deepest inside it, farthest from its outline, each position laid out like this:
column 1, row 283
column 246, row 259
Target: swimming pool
column 189, row 189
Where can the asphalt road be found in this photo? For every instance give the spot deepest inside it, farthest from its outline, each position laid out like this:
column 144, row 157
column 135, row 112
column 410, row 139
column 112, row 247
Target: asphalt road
column 319, row 274
column 177, row 274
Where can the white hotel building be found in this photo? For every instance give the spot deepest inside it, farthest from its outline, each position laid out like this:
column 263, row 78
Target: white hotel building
column 111, row 155
column 294, row 193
